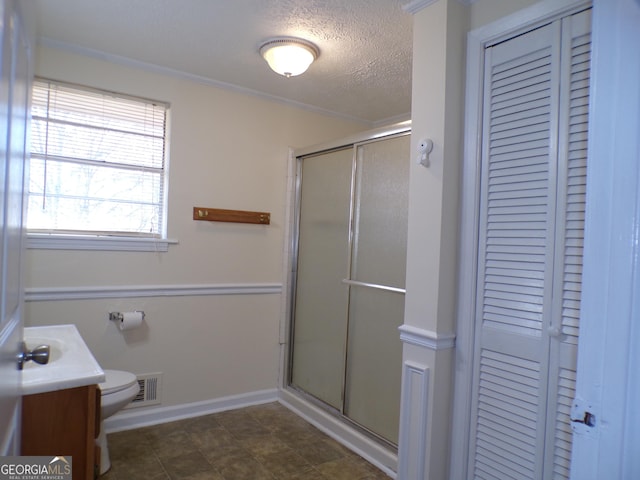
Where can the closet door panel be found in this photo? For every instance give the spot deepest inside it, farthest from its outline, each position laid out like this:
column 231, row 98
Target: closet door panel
column 572, row 177
column 532, row 206
column 515, row 256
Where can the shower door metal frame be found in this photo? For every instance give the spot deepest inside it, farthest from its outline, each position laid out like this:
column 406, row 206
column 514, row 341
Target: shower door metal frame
column 352, row 142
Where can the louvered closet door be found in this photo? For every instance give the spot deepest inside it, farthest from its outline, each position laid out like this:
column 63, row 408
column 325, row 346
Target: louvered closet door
column 567, row 282
column 529, row 258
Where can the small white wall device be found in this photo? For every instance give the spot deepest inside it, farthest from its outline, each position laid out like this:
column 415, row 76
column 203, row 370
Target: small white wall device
column 424, row 149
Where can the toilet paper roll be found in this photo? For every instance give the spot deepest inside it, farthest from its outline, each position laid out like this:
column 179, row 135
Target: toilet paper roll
column 131, row 320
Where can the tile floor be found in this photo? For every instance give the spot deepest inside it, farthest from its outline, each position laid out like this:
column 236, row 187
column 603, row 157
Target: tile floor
column 265, row 442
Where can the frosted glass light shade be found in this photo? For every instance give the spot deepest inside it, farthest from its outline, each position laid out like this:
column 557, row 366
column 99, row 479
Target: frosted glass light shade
column 289, row 57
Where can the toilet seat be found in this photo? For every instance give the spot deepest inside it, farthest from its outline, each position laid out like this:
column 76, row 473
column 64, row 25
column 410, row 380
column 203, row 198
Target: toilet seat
column 116, row 381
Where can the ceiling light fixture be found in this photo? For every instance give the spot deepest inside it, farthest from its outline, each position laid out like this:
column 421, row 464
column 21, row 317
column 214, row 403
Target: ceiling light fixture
column 289, row 56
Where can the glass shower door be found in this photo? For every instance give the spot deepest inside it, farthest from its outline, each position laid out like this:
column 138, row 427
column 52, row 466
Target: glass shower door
column 377, row 280
column 321, row 299
column 349, row 291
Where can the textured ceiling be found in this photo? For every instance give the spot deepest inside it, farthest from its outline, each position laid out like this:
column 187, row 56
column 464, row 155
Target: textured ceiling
column 363, row 72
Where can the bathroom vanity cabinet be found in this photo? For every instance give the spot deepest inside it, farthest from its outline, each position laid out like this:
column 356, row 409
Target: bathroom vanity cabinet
column 64, row 423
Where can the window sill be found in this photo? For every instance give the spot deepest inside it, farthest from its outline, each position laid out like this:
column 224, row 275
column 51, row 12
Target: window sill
column 105, row 243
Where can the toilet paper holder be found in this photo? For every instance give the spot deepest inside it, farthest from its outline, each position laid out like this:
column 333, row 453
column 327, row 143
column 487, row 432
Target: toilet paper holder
column 119, row 316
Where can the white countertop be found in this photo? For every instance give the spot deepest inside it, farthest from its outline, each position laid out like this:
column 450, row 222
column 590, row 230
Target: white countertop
column 71, row 363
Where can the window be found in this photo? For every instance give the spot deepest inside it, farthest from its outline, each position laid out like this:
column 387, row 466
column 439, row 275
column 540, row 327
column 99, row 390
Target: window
column 98, row 163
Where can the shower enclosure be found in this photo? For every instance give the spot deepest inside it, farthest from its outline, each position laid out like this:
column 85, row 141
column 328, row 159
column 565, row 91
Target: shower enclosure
column 348, row 275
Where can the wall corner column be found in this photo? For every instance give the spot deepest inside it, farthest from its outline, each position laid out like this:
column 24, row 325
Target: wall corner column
column 439, row 44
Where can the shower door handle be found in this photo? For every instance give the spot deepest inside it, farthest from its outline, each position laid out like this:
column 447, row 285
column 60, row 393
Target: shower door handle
column 373, row 285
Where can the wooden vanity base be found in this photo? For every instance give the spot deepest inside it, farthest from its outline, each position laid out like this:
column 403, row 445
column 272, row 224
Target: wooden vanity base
column 64, row 423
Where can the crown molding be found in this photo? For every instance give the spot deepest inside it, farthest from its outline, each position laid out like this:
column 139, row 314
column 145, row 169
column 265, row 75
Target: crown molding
column 416, row 5
column 171, row 72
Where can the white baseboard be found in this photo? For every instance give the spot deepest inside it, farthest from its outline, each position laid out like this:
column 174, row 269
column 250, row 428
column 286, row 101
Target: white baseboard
column 143, row 417
column 370, row 450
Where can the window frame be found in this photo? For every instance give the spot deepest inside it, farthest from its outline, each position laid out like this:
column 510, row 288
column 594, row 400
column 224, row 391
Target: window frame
column 100, row 240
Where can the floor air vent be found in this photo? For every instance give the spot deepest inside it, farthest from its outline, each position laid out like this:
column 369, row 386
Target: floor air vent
column 150, row 390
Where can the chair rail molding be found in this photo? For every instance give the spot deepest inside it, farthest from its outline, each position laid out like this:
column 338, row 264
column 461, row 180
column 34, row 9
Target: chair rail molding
column 36, row 294
column 426, row 338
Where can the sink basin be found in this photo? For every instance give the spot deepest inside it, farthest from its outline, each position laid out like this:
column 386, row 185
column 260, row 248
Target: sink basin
column 71, row 363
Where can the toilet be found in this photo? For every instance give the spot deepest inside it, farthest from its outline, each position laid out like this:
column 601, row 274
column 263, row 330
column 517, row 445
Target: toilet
column 117, row 390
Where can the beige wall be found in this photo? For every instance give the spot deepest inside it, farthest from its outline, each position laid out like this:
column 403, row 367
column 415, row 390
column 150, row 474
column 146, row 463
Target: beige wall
column 227, row 150
column 437, row 112
column 483, row 12
column 230, row 151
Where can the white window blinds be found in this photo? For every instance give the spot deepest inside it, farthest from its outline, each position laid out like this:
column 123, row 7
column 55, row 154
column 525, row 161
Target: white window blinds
column 98, row 162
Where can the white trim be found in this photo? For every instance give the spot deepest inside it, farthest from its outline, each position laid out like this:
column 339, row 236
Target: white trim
column 531, row 17
column 416, row 5
column 39, row 294
column 288, row 249
column 94, row 242
column 477, row 40
column 608, row 347
column 414, row 421
column 143, row 417
column 370, row 450
column 467, row 266
column 426, row 338
column 171, row 72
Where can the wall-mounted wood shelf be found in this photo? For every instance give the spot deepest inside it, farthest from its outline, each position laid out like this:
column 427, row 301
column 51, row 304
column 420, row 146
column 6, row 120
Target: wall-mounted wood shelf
column 234, row 216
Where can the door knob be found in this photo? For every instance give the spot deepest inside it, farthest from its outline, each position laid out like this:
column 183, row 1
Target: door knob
column 40, row 355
